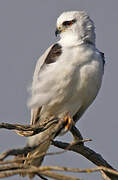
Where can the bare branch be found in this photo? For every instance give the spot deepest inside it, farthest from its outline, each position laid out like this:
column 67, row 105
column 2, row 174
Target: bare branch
column 77, row 170
column 29, row 130
column 87, row 153
column 41, row 177
column 104, row 176
column 25, row 150
column 17, row 169
column 16, row 152
column 22, row 129
column 21, row 168
column 16, row 166
column 56, row 168
column 58, row 176
column 76, row 133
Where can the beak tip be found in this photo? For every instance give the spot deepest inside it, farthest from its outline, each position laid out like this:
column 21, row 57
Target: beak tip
column 57, row 32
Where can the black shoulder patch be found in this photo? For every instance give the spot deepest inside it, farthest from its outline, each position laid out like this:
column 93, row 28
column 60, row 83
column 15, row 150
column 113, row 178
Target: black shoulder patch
column 103, row 58
column 55, row 51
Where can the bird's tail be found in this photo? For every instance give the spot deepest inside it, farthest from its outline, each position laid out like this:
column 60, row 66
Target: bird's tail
column 44, row 141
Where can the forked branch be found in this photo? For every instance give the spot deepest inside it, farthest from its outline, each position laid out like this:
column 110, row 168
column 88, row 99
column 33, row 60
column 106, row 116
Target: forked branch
column 16, row 166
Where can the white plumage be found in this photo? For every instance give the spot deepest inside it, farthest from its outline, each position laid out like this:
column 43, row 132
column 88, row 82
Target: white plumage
column 72, row 81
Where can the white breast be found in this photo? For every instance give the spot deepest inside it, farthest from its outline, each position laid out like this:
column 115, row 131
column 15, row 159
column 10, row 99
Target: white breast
column 78, row 75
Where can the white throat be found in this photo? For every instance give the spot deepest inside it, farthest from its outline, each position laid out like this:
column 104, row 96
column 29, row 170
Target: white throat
column 69, row 39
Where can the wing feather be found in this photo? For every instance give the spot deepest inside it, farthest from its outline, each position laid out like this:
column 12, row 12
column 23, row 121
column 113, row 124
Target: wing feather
column 42, row 81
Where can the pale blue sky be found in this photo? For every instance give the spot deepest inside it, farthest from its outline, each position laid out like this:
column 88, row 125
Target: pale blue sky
column 26, row 29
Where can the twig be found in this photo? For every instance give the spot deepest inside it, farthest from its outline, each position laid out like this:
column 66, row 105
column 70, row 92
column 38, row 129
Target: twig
column 89, row 154
column 76, row 133
column 16, row 152
column 104, row 176
column 29, row 130
column 58, row 176
column 16, row 169
column 76, row 146
column 57, row 168
column 77, row 170
column 39, row 175
column 26, row 150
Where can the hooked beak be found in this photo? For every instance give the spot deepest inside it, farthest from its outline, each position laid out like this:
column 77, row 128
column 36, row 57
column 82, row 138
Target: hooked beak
column 57, row 32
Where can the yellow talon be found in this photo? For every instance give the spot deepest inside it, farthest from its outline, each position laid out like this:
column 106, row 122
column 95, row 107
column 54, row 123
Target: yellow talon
column 68, row 122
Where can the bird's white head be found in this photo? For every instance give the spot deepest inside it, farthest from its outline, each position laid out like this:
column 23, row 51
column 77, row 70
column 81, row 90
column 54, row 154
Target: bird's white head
column 75, row 27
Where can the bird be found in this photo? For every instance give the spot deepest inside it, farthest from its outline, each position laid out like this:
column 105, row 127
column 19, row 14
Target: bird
column 67, row 77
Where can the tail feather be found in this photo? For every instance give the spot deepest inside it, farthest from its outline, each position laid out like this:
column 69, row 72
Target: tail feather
column 39, row 151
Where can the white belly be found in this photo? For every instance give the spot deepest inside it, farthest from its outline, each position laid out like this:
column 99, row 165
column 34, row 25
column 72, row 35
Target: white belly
column 76, row 88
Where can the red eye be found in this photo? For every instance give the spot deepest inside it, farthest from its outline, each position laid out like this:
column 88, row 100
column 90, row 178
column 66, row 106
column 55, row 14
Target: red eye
column 67, row 23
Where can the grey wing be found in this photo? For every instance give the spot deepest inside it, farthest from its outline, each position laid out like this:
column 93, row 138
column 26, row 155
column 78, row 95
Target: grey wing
column 43, row 81
column 41, row 92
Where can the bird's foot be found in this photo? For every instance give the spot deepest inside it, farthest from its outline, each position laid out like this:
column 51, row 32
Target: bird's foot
column 67, row 122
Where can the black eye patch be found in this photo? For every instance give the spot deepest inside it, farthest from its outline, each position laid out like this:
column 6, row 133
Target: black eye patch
column 69, row 23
